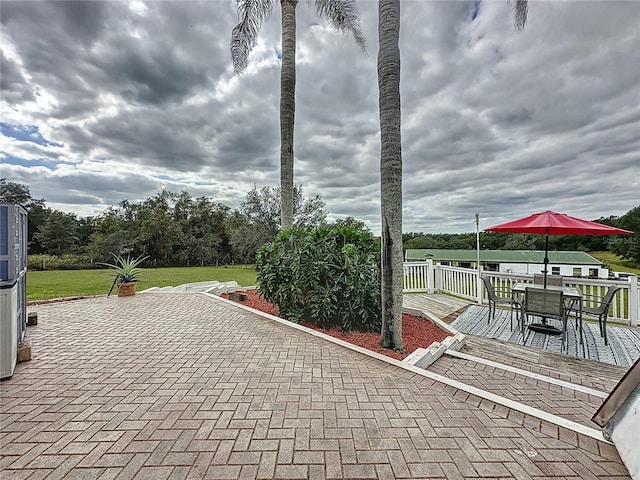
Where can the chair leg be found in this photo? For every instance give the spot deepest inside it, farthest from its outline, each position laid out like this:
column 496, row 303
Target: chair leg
column 580, row 332
column 600, row 325
column 603, row 328
column 517, row 312
column 511, row 319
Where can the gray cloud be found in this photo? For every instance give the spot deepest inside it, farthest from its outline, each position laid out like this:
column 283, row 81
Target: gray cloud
column 141, row 96
column 14, row 87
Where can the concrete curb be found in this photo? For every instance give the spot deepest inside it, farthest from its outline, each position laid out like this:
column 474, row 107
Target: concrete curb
column 423, row 357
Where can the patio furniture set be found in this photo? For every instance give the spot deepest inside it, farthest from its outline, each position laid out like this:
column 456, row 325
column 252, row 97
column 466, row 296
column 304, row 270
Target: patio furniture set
column 549, row 298
column 550, row 301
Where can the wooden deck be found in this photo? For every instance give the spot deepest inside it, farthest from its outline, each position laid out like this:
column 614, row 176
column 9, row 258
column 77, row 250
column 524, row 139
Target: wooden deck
column 623, row 348
column 470, row 318
column 578, row 370
column 445, row 307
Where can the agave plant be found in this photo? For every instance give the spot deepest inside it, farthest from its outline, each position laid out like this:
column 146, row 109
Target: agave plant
column 126, row 268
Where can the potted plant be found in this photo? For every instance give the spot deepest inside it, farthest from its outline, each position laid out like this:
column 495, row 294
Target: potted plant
column 127, row 274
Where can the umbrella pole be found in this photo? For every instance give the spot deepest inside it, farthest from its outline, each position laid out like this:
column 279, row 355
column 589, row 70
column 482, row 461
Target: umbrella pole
column 546, row 265
column 546, row 257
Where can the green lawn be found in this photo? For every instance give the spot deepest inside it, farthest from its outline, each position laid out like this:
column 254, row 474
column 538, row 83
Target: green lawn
column 68, row 283
column 615, row 263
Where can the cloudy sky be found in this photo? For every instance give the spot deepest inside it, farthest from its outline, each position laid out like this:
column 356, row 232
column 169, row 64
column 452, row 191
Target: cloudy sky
column 117, row 100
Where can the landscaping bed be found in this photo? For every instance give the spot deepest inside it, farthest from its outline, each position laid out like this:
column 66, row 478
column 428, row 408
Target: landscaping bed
column 417, row 332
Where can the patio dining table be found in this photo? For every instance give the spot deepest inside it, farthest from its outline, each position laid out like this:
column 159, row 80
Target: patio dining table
column 574, row 303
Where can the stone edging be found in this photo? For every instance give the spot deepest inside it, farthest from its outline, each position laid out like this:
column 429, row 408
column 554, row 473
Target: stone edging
column 32, row 303
column 423, row 357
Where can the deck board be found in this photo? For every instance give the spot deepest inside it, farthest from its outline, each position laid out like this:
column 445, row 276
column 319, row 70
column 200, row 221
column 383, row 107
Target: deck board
column 437, row 304
column 598, row 375
column 623, row 348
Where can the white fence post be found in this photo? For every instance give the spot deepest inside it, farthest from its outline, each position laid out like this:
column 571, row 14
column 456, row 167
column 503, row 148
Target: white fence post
column 430, row 275
column 634, row 301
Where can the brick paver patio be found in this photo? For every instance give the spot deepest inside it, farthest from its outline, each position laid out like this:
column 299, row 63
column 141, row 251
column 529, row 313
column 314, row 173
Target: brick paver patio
column 570, row 404
column 187, row 386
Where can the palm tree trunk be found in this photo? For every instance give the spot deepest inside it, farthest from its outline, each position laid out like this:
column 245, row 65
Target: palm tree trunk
column 390, row 172
column 287, row 110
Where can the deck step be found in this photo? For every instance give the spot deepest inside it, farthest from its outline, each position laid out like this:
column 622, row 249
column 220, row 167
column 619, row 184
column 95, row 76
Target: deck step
column 440, row 305
column 527, row 373
column 562, row 399
column 596, row 375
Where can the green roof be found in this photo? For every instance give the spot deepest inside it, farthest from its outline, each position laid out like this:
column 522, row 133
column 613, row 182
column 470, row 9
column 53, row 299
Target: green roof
column 502, row 256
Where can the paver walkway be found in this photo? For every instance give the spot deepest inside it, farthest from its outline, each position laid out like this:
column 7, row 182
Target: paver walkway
column 187, row 386
column 574, row 405
column 588, row 373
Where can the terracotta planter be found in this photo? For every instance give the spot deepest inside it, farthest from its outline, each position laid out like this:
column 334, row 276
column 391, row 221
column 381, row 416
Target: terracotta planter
column 126, row 289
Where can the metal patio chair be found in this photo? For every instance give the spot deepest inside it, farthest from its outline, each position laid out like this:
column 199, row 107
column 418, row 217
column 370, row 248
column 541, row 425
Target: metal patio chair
column 495, row 299
column 602, row 310
column 546, row 304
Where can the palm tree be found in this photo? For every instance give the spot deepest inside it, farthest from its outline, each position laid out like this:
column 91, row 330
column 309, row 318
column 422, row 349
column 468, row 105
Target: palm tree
column 391, row 165
column 341, row 14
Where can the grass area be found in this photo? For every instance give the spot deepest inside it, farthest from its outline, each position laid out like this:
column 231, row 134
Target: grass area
column 44, row 285
column 615, row 263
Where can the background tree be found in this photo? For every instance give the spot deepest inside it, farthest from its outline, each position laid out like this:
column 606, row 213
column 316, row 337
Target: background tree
column 391, row 165
column 17, row 193
column 12, row 192
column 204, row 227
column 59, row 233
column 242, row 238
column 157, row 234
column 262, row 210
column 628, row 246
column 259, row 221
column 112, row 234
column 341, row 14
column 38, row 213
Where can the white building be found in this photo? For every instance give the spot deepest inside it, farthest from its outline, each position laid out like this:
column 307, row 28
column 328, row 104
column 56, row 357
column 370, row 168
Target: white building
column 567, row 264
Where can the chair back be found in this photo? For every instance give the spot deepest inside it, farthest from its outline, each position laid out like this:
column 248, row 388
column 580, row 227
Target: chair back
column 555, row 281
column 545, row 303
column 552, row 280
column 608, row 298
column 491, row 292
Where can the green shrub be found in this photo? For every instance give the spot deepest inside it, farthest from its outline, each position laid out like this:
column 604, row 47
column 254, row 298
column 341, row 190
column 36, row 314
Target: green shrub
column 62, row 262
column 328, row 275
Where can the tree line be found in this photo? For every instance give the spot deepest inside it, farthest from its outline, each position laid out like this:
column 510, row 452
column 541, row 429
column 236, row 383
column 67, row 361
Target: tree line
column 626, row 246
column 176, row 229
column 172, row 229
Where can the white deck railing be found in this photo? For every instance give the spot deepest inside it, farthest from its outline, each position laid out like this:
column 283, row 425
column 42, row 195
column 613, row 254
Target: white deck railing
column 463, row 282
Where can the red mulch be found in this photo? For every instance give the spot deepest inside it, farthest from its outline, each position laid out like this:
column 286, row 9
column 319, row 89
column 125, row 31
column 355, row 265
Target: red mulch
column 417, row 332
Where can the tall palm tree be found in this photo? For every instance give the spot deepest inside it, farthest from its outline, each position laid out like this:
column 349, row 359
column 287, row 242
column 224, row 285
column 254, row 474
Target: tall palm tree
column 390, row 172
column 342, row 15
column 391, row 165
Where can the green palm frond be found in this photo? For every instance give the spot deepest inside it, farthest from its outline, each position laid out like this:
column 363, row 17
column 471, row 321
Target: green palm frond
column 343, row 15
column 252, row 14
column 520, row 10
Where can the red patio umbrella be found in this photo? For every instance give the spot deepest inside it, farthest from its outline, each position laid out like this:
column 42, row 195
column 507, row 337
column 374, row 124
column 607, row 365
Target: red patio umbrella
column 552, row 223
